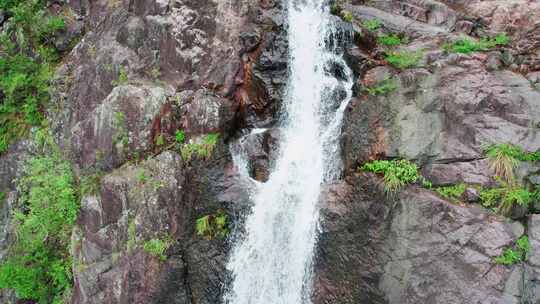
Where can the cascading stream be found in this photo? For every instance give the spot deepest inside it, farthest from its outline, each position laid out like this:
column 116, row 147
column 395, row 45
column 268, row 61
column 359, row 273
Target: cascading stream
column 272, row 262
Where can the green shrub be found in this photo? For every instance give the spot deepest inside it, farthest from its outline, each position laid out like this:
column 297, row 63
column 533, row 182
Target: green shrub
column 203, row 149
column 451, row 192
column 180, row 136
column 26, row 65
column 90, row 184
column 516, row 254
column 466, row 45
column 213, row 225
column 490, row 197
column 2, row 197
column 372, row 24
column 38, row 266
column 504, row 198
column 391, row 40
column 509, row 257
column 157, row 247
column 404, row 60
column 386, row 86
column 397, row 173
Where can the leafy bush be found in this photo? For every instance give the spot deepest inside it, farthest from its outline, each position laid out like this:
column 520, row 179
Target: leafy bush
column 372, row 24
column 516, row 254
column 397, row 173
column 157, row 247
column 213, row 225
column 38, row 266
column 515, row 195
column 391, row 40
column 466, row 45
column 451, row 192
column 382, row 88
column 404, row 60
column 26, row 65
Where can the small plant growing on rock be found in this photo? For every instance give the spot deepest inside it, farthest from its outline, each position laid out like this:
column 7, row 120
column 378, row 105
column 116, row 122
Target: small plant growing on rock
column 156, row 73
column 386, row 86
column 404, row 60
column 122, row 77
column 180, row 136
column 515, row 195
column 372, row 24
column 467, row 46
column 516, row 254
column 203, row 149
column 160, row 140
column 504, row 198
column 503, row 159
column 397, row 173
column 157, row 247
column 89, row 184
column 451, row 192
column 490, row 197
column 132, row 236
column 119, row 123
column 211, row 226
column 141, row 176
column 391, row 40
column 347, row 16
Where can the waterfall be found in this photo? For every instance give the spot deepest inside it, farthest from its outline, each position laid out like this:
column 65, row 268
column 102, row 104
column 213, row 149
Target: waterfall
column 271, row 263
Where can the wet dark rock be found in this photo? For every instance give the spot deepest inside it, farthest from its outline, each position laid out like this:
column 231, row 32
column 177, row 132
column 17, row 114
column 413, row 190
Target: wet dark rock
column 531, row 287
column 204, row 112
column 157, row 198
column 261, row 150
column 444, row 119
column 120, row 128
column 133, row 33
column 494, row 61
column 415, row 248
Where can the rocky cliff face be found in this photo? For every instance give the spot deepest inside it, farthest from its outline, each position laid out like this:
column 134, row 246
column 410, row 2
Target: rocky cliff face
column 145, row 69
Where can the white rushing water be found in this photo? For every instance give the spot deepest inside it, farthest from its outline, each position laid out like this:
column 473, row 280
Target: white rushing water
column 271, row 262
